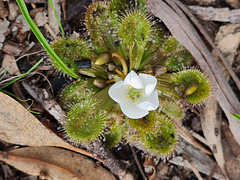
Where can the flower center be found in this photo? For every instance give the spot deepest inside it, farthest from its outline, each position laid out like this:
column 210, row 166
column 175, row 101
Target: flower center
column 133, row 93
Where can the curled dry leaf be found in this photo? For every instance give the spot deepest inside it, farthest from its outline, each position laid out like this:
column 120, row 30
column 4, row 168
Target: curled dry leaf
column 55, row 163
column 18, row 126
column 9, row 63
column 150, row 168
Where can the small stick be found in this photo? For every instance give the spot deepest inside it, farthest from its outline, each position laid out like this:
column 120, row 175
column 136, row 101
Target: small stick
column 190, row 139
column 64, row 9
column 212, row 172
column 33, row 5
column 193, row 168
column 200, row 138
column 195, row 171
column 138, row 164
column 49, row 29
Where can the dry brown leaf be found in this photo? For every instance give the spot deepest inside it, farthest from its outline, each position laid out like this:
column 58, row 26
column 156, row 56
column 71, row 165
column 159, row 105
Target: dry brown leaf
column 211, row 119
column 9, row 63
column 201, row 161
column 12, row 48
column 3, row 10
column 211, row 115
column 233, row 3
column 3, row 29
column 55, row 163
column 18, row 126
column 184, row 32
column 13, row 10
column 231, row 153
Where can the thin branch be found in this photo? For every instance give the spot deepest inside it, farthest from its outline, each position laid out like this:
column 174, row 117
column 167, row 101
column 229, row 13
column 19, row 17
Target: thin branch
column 138, row 164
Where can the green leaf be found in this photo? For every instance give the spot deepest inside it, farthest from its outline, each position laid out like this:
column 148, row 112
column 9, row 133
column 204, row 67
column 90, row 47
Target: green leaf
column 30, row 70
column 56, row 15
column 237, row 116
column 42, row 39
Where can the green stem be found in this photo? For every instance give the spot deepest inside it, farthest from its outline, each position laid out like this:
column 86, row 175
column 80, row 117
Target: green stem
column 30, row 70
column 56, row 15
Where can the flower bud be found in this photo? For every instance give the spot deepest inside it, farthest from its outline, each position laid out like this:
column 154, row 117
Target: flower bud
column 191, row 88
column 103, row 58
column 99, row 82
column 159, row 70
column 110, row 75
column 111, row 66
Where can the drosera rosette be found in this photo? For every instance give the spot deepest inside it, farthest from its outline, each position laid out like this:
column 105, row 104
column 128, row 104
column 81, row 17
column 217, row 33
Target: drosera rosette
column 76, row 92
column 135, row 83
column 155, row 132
column 84, row 122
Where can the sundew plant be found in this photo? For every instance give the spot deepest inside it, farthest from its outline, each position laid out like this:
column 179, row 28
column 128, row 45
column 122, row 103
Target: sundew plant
column 134, row 79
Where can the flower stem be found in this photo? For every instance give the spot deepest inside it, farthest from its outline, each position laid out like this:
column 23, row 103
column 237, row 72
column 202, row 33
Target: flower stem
column 110, row 81
column 120, row 73
column 123, row 62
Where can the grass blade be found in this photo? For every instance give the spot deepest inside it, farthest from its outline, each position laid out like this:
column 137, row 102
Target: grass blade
column 237, row 116
column 56, row 15
column 42, row 39
column 30, row 70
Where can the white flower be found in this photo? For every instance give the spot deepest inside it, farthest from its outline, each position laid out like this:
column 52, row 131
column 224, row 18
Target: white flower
column 135, row 95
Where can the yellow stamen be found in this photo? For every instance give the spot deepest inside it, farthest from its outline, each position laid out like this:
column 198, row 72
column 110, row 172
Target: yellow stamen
column 128, row 96
column 141, row 93
column 135, row 100
column 129, row 87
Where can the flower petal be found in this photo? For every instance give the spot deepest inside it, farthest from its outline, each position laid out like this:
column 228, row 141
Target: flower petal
column 145, row 105
column 133, row 80
column 150, row 103
column 132, row 111
column 118, row 92
column 153, row 98
column 149, row 83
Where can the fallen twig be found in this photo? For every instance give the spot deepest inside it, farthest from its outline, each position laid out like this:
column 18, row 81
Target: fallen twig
column 46, row 100
column 138, row 164
column 183, row 133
